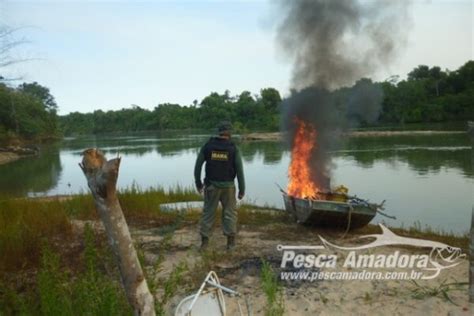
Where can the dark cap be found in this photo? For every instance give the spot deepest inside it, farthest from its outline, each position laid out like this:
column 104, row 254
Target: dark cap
column 224, row 126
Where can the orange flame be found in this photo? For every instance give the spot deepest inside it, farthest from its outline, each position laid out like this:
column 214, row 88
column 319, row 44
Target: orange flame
column 299, row 172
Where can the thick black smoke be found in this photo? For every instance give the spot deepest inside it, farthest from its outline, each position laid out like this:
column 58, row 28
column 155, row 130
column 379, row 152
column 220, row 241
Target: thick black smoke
column 335, row 43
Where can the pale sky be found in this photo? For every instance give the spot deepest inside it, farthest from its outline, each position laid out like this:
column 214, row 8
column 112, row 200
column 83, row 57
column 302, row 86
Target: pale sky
column 111, row 54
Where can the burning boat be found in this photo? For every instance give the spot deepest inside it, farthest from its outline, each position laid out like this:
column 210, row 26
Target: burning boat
column 309, row 198
column 352, row 213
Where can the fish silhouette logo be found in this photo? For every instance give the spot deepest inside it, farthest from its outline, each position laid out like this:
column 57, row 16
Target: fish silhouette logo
column 442, row 256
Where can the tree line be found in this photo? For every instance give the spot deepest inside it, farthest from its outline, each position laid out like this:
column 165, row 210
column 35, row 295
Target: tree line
column 246, row 111
column 27, row 111
column 428, row 94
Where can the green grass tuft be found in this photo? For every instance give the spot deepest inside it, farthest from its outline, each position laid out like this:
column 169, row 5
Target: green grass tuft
column 273, row 291
column 54, row 296
column 94, row 292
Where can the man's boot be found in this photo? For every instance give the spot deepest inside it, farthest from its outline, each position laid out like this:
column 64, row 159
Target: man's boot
column 230, row 242
column 204, row 243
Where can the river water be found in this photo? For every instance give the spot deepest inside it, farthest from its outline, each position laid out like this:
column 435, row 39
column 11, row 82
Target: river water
column 427, row 180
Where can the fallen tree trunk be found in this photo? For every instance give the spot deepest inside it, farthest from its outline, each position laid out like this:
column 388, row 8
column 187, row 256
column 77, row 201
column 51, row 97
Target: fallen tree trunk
column 102, row 177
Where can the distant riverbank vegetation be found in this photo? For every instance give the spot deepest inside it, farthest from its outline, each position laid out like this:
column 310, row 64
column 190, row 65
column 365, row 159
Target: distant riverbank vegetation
column 428, row 94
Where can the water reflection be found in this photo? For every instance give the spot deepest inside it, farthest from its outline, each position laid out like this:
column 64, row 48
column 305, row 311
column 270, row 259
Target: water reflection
column 272, row 152
column 31, row 175
column 423, row 154
column 423, row 161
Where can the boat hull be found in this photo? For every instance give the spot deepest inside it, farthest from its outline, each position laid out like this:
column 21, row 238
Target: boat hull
column 328, row 213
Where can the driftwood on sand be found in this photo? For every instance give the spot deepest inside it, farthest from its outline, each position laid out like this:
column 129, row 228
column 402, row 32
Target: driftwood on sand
column 102, row 177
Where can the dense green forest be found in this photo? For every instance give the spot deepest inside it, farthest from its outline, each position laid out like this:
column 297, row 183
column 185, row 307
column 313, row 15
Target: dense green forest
column 28, row 111
column 246, row 111
column 430, row 95
column 426, row 95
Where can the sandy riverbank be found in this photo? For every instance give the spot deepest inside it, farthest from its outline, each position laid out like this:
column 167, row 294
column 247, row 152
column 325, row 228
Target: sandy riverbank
column 277, row 136
column 240, row 270
column 12, row 153
column 6, row 157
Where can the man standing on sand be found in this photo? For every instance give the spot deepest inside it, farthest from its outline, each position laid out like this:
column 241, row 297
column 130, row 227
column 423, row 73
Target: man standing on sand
column 223, row 162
